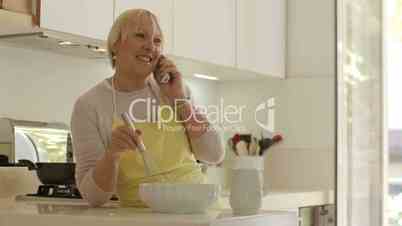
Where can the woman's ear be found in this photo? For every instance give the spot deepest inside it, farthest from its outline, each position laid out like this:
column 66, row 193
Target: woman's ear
column 116, row 46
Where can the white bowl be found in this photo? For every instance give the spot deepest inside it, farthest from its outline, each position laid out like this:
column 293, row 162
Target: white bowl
column 179, row 198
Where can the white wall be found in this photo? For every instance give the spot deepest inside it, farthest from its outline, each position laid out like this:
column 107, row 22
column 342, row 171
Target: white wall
column 305, row 101
column 42, row 86
column 304, row 110
column 305, row 115
column 307, row 161
column 204, row 92
column 39, row 86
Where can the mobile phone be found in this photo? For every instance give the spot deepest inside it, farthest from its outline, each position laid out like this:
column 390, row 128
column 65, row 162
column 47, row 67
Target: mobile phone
column 163, row 79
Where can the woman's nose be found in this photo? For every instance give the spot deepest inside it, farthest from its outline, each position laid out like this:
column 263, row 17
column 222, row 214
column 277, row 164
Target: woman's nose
column 149, row 45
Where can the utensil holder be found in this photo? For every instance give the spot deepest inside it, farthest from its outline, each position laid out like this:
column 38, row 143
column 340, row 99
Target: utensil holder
column 247, row 185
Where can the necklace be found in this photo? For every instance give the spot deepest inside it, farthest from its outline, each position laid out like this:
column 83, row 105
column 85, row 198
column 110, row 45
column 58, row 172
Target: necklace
column 114, row 97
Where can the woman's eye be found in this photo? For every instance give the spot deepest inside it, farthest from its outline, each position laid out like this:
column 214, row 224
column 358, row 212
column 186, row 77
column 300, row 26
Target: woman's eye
column 158, row 41
column 140, row 35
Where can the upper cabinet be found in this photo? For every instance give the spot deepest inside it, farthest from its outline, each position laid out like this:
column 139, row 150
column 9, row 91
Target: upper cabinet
column 163, row 9
column 243, row 34
column 205, row 30
column 261, row 36
column 90, row 18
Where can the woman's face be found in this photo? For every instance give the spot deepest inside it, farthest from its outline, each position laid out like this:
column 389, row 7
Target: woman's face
column 140, row 46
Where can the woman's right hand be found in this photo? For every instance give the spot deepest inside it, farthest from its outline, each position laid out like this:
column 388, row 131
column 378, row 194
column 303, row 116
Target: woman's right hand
column 123, row 139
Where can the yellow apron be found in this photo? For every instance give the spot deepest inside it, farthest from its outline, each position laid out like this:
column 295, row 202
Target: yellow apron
column 169, row 148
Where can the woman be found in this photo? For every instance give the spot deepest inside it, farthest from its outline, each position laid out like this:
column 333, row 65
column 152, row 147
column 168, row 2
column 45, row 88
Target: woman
column 107, row 160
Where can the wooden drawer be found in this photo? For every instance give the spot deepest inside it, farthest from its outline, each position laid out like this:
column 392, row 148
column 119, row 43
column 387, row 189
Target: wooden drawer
column 21, row 6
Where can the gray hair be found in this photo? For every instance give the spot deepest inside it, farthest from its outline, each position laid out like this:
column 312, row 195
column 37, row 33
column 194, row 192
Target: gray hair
column 121, row 23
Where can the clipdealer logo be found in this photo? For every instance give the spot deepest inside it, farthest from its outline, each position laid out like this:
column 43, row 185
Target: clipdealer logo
column 267, row 110
column 216, row 114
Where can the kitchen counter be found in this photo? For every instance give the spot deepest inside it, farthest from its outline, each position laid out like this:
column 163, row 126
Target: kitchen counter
column 78, row 213
column 290, row 200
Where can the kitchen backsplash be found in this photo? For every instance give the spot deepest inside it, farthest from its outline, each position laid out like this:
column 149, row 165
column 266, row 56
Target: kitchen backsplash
column 41, row 86
column 305, row 115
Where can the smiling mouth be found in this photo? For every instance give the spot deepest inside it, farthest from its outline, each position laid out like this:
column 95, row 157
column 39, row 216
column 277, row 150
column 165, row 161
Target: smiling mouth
column 145, row 59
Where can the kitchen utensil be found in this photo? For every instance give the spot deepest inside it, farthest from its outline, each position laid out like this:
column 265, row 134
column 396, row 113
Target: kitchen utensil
column 241, row 148
column 150, row 166
column 232, row 142
column 264, row 144
column 268, row 142
column 253, row 150
column 232, row 146
column 258, row 149
column 56, row 173
column 4, row 160
column 179, row 198
column 247, row 137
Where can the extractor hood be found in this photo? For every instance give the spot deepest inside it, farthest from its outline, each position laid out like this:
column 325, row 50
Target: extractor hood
column 18, row 30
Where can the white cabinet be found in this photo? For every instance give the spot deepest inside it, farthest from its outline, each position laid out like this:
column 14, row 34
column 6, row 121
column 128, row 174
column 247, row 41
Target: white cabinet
column 205, row 30
column 261, row 36
column 163, row 9
column 247, row 34
column 90, row 18
column 312, row 38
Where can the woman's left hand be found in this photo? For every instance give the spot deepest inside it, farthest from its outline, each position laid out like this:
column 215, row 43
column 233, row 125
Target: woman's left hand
column 173, row 89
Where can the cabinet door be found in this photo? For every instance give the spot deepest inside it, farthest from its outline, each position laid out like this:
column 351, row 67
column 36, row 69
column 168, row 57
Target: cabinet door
column 163, row 9
column 261, row 32
column 312, row 38
column 90, row 18
column 205, row 30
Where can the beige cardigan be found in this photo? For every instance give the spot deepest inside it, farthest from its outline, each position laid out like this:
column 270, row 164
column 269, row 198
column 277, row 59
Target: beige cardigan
column 91, row 124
